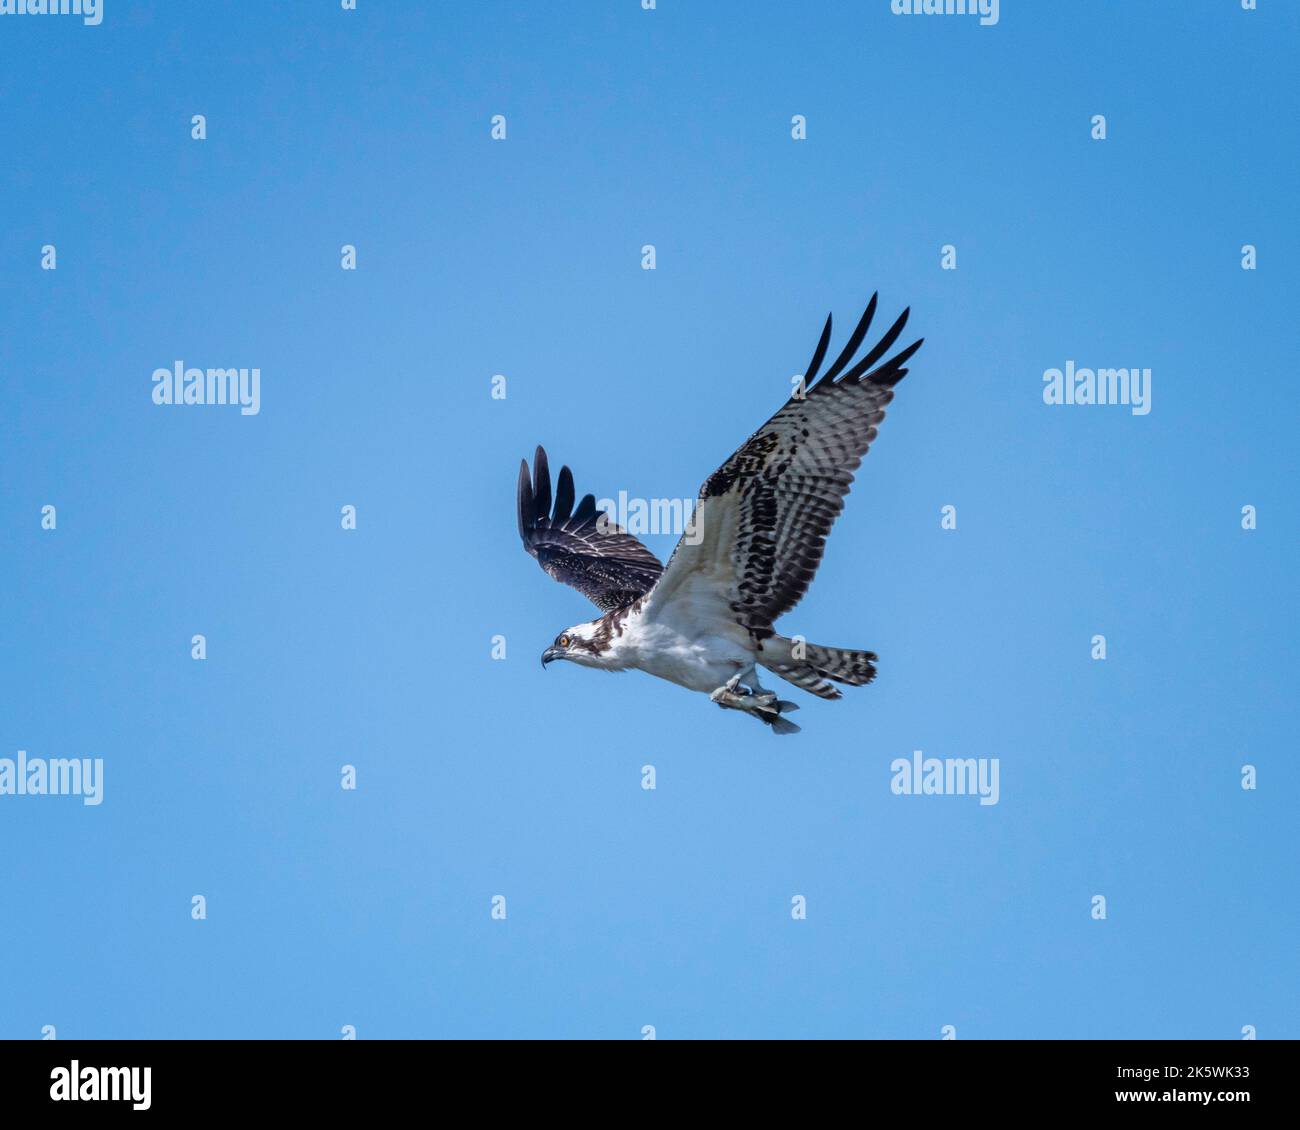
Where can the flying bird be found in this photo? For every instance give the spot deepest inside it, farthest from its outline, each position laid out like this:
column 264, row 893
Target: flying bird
column 705, row 622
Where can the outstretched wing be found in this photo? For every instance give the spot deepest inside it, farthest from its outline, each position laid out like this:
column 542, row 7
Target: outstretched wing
column 581, row 547
column 763, row 516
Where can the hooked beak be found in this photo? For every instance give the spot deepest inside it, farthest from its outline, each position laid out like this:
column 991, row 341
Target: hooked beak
column 551, row 653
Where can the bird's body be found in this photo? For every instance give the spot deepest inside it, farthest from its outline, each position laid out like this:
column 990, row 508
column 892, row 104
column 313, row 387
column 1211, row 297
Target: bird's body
column 678, row 646
column 705, row 622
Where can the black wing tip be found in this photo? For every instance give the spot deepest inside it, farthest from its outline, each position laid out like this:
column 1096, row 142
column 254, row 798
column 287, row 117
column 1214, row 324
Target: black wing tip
column 534, row 493
column 541, row 485
column 894, row 370
column 886, row 375
column 819, row 354
column 525, row 501
column 564, row 496
column 855, row 340
column 538, row 508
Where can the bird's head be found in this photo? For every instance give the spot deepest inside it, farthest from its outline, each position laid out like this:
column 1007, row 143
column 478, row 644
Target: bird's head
column 582, row 644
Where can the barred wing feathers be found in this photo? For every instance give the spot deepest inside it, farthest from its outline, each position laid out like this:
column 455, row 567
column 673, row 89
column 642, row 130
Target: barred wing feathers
column 764, row 515
column 579, row 546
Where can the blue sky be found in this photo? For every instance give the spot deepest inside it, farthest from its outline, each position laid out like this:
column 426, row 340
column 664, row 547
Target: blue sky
column 522, row 257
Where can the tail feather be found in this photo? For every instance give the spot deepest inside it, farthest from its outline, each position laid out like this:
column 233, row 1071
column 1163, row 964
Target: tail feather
column 815, row 668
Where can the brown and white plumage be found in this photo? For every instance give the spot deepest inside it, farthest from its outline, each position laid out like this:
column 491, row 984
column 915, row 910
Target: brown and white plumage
column 579, row 546
column 760, row 531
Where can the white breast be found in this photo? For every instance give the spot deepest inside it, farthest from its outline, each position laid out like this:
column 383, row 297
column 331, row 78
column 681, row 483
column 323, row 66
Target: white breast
column 700, row 653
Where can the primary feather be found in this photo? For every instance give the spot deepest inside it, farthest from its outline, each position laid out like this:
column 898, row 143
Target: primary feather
column 581, row 547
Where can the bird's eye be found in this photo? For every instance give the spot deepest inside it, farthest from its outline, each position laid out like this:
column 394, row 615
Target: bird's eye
column 564, row 641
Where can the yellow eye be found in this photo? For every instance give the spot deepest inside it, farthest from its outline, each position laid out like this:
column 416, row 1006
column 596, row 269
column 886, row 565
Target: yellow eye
column 564, row 641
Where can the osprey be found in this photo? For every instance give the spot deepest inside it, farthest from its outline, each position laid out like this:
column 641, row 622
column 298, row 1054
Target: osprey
column 706, row 621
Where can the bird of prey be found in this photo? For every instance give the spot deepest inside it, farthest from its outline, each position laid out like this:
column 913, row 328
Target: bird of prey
column 706, row 620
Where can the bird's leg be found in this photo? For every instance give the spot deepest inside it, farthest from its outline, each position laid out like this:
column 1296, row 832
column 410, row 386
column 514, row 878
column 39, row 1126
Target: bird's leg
column 754, row 700
column 730, row 695
column 762, row 698
column 751, row 698
column 727, row 698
